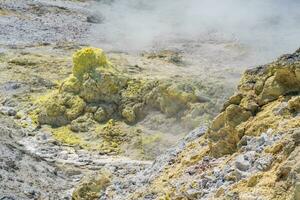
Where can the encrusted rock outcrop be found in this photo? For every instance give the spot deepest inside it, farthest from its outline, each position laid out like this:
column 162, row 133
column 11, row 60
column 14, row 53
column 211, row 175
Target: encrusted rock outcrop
column 258, row 87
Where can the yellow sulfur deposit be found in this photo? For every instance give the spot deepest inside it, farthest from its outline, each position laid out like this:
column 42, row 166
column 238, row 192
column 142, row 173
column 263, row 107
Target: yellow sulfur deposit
column 90, row 187
column 88, row 59
column 97, row 93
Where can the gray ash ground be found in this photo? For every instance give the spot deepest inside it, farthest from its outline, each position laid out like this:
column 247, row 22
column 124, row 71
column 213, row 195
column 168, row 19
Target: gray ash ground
column 25, row 175
column 36, row 167
column 37, row 22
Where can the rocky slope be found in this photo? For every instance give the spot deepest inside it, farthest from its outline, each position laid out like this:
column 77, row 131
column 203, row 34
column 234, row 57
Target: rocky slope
column 89, row 125
column 250, row 151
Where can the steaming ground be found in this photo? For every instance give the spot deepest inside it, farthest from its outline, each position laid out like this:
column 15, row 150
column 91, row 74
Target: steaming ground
column 265, row 28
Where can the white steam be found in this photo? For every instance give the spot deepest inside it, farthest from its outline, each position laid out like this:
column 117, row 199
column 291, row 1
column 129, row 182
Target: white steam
column 270, row 27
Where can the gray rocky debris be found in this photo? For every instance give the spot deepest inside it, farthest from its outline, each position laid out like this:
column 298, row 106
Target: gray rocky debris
column 10, row 111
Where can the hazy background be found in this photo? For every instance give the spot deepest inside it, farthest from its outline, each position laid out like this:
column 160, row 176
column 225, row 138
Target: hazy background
column 267, row 27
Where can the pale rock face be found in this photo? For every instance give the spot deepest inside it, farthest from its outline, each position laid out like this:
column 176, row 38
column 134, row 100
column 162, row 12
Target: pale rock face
column 294, row 104
column 257, row 88
column 218, row 122
column 236, row 115
column 272, row 90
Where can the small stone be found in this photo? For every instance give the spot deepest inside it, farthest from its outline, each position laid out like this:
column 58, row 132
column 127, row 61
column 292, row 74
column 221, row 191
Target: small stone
column 20, row 115
column 91, row 109
column 202, row 98
column 8, row 111
column 219, row 183
column 95, row 19
column 262, row 139
column 193, row 193
column 232, row 195
column 250, row 105
column 129, row 114
column 100, row 115
column 204, row 182
column 243, row 141
column 252, row 181
column 281, row 109
column 235, row 99
column 218, row 122
column 294, row 104
column 275, row 148
column 30, row 193
column 220, row 192
column 12, row 86
column 235, row 115
column 264, row 163
column 207, row 159
column 241, row 163
column 259, row 149
column 296, row 136
column 82, row 123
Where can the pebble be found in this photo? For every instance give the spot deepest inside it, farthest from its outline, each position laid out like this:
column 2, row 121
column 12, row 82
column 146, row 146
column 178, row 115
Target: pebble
column 281, row 109
column 30, row 193
column 264, row 163
column 10, row 111
column 7, row 198
column 193, row 193
column 241, row 163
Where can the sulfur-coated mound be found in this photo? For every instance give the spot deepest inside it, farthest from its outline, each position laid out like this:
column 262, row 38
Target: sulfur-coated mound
column 60, row 109
column 97, row 92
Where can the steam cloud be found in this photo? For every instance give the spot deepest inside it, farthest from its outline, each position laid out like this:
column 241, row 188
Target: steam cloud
column 270, row 27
